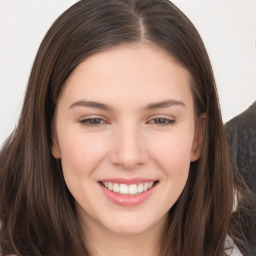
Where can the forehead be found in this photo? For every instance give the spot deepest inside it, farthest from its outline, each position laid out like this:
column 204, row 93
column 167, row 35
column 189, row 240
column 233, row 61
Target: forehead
column 134, row 73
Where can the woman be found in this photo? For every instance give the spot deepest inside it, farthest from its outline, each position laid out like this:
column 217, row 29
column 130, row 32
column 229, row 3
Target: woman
column 120, row 148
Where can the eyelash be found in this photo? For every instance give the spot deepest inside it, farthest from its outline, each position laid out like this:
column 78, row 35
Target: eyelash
column 96, row 122
column 162, row 121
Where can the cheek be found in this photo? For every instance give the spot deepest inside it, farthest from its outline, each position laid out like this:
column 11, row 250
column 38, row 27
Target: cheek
column 172, row 154
column 172, row 157
column 80, row 153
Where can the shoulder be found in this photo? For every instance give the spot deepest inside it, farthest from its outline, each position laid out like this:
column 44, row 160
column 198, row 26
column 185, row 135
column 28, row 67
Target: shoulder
column 230, row 248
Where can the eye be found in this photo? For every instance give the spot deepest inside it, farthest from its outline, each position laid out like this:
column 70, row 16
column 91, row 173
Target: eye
column 93, row 122
column 161, row 121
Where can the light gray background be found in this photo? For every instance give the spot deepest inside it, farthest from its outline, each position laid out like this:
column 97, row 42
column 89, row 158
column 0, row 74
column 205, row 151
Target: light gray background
column 228, row 28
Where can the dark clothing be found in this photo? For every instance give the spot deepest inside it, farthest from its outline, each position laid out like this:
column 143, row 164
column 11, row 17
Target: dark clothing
column 241, row 135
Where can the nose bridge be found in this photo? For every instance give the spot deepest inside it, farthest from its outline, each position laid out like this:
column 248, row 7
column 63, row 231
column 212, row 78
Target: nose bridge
column 128, row 147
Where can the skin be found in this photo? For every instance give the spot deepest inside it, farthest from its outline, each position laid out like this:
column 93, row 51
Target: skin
column 127, row 141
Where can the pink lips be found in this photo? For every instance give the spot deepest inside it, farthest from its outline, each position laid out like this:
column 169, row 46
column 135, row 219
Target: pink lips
column 127, row 200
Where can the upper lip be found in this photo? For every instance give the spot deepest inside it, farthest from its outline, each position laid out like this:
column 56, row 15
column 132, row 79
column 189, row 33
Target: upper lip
column 128, row 181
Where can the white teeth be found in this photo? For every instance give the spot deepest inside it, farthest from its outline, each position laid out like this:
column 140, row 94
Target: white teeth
column 116, row 187
column 140, row 188
column 150, row 184
column 125, row 189
column 133, row 190
column 109, row 186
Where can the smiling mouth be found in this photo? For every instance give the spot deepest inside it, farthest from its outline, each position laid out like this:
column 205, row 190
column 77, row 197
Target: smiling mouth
column 128, row 190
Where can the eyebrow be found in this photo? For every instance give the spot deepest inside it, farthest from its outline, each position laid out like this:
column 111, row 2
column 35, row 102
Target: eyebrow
column 91, row 104
column 165, row 104
column 151, row 106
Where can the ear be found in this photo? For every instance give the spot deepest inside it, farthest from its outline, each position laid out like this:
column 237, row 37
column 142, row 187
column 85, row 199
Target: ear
column 55, row 146
column 198, row 138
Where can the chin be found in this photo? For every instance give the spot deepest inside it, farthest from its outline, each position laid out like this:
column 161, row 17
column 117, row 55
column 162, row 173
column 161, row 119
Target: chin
column 128, row 230
column 134, row 226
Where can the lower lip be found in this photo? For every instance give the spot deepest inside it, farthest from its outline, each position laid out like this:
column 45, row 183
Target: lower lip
column 127, row 200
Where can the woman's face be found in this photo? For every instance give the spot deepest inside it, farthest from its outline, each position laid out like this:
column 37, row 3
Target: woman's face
column 125, row 132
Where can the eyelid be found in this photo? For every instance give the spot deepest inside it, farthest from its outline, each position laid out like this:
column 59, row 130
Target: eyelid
column 101, row 121
column 86, row 121
column 169, row 120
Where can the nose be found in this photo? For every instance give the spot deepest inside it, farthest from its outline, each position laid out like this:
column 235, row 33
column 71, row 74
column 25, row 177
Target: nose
column 128, row 147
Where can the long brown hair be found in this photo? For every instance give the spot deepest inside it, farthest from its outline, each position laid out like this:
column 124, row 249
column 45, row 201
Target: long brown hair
column 37, row 211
